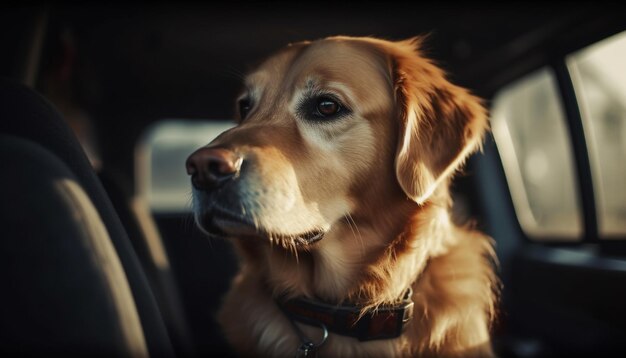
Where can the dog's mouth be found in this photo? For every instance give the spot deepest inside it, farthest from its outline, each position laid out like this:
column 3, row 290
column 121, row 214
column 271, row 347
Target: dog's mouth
column 221, row 223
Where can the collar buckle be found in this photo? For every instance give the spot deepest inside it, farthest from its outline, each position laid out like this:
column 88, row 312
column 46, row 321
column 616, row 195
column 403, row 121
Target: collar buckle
column 385, row 322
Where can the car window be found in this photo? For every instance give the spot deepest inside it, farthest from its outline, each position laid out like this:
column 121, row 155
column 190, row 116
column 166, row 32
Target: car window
column 530, row 130
column 599, row 77
column 160, row 161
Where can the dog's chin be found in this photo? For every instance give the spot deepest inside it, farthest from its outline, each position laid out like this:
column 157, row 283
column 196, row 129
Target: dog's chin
column 221, row 224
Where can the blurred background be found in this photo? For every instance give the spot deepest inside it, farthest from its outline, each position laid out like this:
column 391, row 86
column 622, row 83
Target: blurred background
column 143, row 85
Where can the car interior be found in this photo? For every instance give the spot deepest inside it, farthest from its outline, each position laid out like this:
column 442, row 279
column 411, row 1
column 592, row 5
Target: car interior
column 101, row 103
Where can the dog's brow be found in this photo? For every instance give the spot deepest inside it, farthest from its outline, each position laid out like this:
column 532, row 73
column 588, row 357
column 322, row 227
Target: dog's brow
column 310, row 84
column 313, row 84
column 255, row 79
column 342, row 89
column 250, row 90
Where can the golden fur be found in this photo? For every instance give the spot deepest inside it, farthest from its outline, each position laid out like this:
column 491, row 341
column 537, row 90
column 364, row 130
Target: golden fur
column 376, row 182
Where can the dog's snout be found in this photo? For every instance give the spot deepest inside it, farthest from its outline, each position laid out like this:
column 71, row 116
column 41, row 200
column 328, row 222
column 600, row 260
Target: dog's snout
column 211, row 168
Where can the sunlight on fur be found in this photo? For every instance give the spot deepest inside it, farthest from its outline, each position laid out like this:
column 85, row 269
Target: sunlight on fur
column 348, row 147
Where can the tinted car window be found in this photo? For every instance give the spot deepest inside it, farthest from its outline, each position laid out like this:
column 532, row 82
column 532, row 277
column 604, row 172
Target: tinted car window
column 599, row 78
column 530, row 130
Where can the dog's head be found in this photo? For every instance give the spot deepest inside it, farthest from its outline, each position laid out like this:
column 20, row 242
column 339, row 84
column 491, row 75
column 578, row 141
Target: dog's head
column 332, row 131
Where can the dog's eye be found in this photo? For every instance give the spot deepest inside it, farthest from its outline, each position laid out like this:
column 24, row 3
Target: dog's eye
column 322, row 108
column 245, row 104
column 327, row 107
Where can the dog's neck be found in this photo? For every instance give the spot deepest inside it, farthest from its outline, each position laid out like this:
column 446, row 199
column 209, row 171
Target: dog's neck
column 336, row 271
column 350, row 320
column 449, row 308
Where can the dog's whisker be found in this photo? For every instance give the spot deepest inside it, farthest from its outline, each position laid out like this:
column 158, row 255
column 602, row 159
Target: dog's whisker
column 355, row 231
column 235, row 73
column 294, row 249
column 346, row 216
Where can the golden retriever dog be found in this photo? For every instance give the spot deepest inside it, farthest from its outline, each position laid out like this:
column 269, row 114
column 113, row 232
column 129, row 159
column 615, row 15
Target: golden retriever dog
column 334, row 189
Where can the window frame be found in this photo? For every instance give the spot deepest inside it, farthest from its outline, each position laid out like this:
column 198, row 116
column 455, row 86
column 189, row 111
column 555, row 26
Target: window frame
column 555, row 59
column 582, row 163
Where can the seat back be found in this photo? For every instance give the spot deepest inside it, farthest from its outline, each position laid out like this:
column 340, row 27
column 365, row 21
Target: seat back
column 26, row 115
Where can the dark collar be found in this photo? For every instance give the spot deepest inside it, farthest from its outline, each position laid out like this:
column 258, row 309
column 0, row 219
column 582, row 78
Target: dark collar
column 384, row 322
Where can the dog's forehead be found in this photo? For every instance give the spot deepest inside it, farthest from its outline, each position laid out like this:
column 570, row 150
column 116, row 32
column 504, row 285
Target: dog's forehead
column 329, row 60
column 274, row 65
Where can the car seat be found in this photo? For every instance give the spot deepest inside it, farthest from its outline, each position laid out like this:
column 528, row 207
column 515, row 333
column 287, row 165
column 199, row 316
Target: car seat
column 72, row 281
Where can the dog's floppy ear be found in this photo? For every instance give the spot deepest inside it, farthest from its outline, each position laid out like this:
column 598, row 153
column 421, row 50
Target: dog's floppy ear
column 440, row 124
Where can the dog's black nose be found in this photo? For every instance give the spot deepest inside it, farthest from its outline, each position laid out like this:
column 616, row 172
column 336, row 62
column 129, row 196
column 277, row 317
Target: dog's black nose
column 210, row 168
